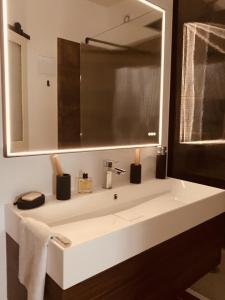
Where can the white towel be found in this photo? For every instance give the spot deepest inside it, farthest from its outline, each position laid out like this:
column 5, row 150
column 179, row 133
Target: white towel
column 33, row 241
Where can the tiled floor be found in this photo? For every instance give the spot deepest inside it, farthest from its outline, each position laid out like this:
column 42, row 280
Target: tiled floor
column 213, row 285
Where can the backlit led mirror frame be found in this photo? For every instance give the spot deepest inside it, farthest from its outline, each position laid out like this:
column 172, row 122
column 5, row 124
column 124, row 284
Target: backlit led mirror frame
column 8, row 151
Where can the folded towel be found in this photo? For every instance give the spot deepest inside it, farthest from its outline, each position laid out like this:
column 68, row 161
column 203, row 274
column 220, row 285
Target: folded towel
column 33, row 240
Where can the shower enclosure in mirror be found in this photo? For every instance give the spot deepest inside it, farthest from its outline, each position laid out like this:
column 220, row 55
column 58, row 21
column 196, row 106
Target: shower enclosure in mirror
column 82, row 75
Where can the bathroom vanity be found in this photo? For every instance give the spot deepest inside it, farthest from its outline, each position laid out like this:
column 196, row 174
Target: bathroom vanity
column 163, row 233
column 84, row 83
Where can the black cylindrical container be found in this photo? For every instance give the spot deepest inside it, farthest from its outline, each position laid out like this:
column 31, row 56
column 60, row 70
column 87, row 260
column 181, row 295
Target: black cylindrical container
column 63, row 187
column 161, row 163
column 135, row 173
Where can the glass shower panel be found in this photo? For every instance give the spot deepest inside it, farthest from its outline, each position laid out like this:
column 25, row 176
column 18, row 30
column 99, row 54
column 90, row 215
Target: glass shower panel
column 120, row 84
column 120, row 92
column 203, row 84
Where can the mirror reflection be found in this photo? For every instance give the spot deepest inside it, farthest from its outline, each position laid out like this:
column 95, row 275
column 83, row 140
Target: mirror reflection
column 83, row 74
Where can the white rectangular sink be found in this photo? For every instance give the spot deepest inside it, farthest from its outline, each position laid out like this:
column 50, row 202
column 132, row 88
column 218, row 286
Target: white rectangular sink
column 106, row 231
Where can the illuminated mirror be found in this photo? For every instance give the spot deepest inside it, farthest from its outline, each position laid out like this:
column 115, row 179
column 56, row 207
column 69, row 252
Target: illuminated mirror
column 82, row 75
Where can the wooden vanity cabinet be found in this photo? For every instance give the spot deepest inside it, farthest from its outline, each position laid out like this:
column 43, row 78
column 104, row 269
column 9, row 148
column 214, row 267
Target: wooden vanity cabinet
column 161, row 273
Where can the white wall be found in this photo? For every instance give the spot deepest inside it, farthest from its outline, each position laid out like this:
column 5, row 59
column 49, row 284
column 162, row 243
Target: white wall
column 34, row 173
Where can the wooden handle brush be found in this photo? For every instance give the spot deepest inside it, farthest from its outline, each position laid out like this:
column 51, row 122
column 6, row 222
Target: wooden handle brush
column 57, row 165
column 137, row 157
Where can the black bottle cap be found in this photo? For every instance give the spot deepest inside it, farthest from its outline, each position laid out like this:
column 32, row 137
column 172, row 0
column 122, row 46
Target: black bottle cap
column 85, row 175
column 109, row 165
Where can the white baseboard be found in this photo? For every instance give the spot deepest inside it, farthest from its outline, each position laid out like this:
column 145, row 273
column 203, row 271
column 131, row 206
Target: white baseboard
column 196, row 294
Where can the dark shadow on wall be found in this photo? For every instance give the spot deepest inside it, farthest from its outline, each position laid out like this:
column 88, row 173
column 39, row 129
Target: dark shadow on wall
column 203, row 10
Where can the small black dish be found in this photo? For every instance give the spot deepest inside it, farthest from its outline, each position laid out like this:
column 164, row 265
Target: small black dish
column 25, row 204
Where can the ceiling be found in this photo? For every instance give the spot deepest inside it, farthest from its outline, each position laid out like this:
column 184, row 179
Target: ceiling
column 106, row 3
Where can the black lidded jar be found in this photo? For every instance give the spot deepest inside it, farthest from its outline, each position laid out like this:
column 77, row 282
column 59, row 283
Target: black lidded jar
column 63, row 187
column 161, row 162
column 135, row 173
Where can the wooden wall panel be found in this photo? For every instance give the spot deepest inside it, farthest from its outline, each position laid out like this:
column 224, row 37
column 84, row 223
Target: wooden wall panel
column 68, row 94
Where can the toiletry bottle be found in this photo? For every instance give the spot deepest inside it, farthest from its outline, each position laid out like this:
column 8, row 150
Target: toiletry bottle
column 85, row 184
column 135, row 168
column 108, row 175
column 161, row 162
